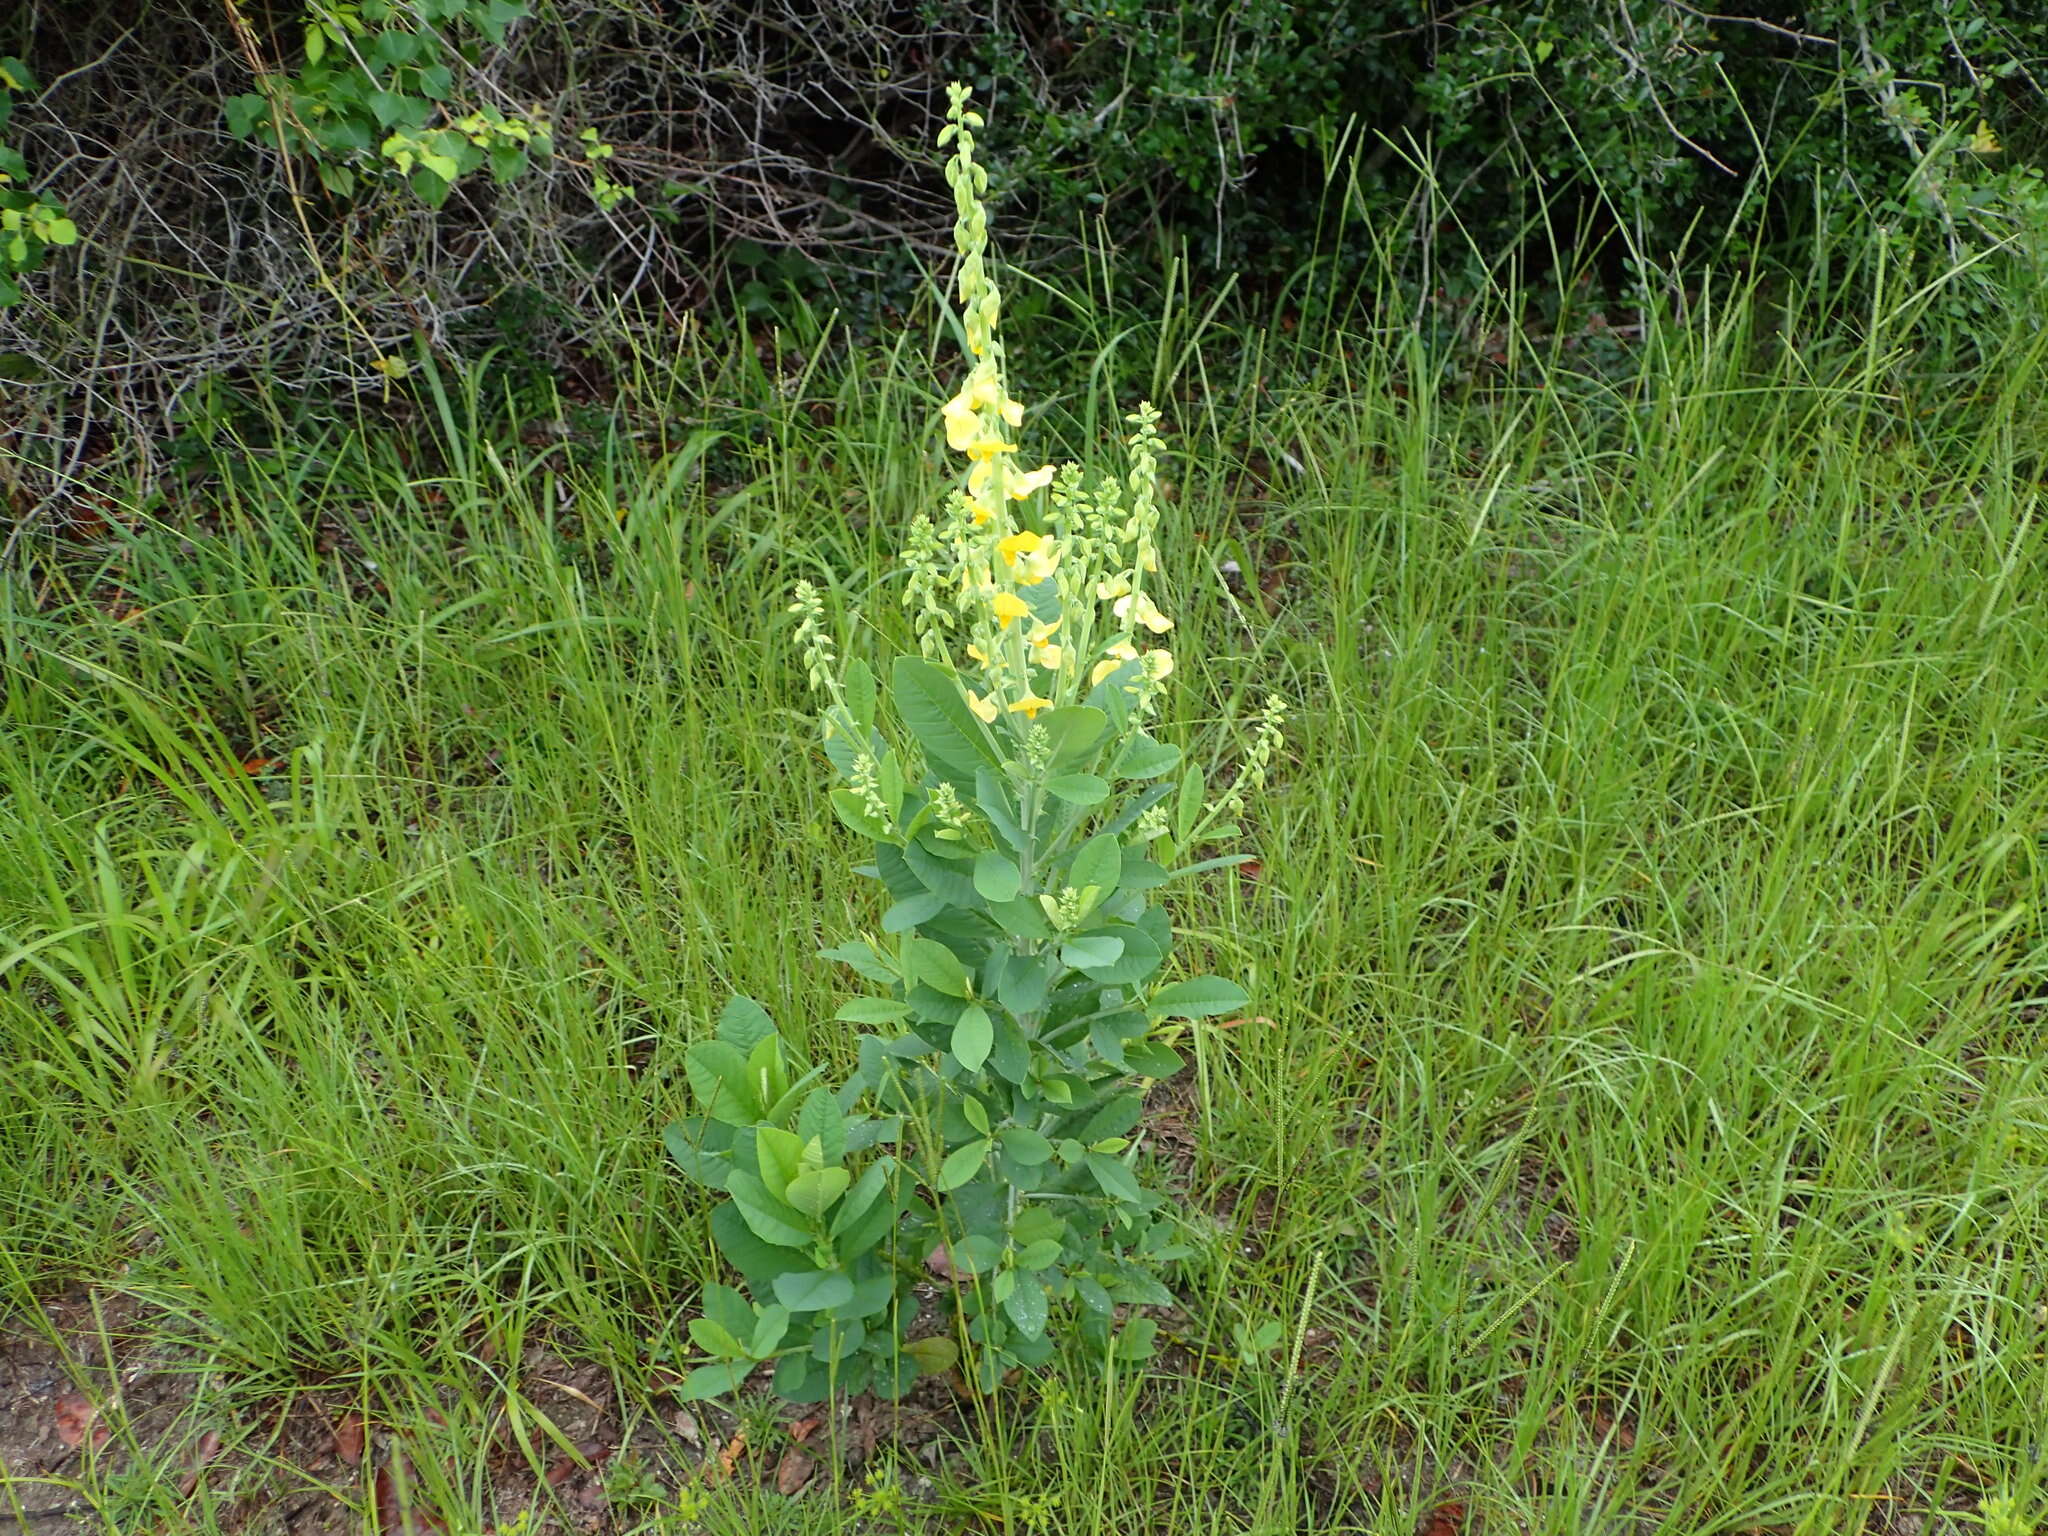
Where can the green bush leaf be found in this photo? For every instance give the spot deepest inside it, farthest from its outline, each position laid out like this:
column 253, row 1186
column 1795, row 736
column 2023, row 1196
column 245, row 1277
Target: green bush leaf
column 872, row 1010
column 1199, row 998
column 996, row 877
column 1027, row 1307
column 768, row 1218
column 815, row 1192
column 935, row 711
column 913, row 910
column 1099, row 863
column 1092, row 951
column 962, row 1164
column 686, row 1143
column 717, row 1072
column 859, row 685
column 815, row 1291
column 1024, row 1145
column 1116, row 1179
column 713, row 1381
column 973, row 1036
column 1083, row 789
column 745, row 1023
column 929, row 961
column 1073, row 734
column 714, row 1340
column 1144, row 758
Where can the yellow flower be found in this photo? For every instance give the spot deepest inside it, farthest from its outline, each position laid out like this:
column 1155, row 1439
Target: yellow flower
column 1137, row 608
column 1043, row 650
column 963, row 425
column 1115, row 587
column 1019, row 544
column 1047, row 656
column 1115, row 657
column 988, row 448
column 1030, row 705
column 985, row 708
column 978, row 654
column 1021, row 486
column 1009, row 606
column 1159, row 665
column 1039, row 564
column 1013, row 412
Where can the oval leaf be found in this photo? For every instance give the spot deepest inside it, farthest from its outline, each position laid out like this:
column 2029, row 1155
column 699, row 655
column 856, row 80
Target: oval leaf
column 973, row 1035
column 1199, row 998
column 1078, row 788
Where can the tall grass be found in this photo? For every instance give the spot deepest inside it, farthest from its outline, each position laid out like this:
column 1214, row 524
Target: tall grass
column 1642, row 1124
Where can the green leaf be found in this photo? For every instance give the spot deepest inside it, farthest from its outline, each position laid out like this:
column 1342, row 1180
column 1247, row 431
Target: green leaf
column 1116, row 1180
column 768, row 1218
column 814, row 1193
column 1027, row 1307
column 1025, row 1147
column 872, row 1010
column 430, row 188
column 1091, row 951
column 780, row 1155
column 507, row 161
column 929, row 961
column 860, row 693
column 1082, row 789
column 717, row 1072
column 1152, row 1058
column 1199, row 998
column 1188, row 808
column 962, row 1164
column 935, row 711
column 996, row 877
column 685, row 1143
column 1039, row 1255
column 1144, row 758
column 745, row 1023
column 1099, row 863
column 863, row 961
column 973, row 1035
column 1073, row 733
column 749, row 1253
column 861, row 1198
column 728, row 1308
column 61, row 231
column 714, row 1381
column 999, row 808
column 1024, row 982
column 769, row 1328
column 714, row 1340
column 913, row 910
column 1022, row 917
column 934, row 1355
column 853, row 814
column 815, row 1291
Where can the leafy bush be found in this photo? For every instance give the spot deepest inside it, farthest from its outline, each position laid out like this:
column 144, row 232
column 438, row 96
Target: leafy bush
column 1020, row 816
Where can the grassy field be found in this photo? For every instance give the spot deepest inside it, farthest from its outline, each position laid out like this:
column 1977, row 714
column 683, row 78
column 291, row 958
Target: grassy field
column 1641, row 1125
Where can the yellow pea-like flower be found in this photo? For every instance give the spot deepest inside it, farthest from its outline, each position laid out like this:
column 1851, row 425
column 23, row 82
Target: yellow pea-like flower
column 1016, row 544
column 1159, row 665
column 1039, row 564
column 1137, row 608
column 1030, row 705
column 1047, row 656
column 1021, row 486
column 978, row 654
column 984, row 708
column 1115, row 587
column 1115, row 657
column 1009, row 607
